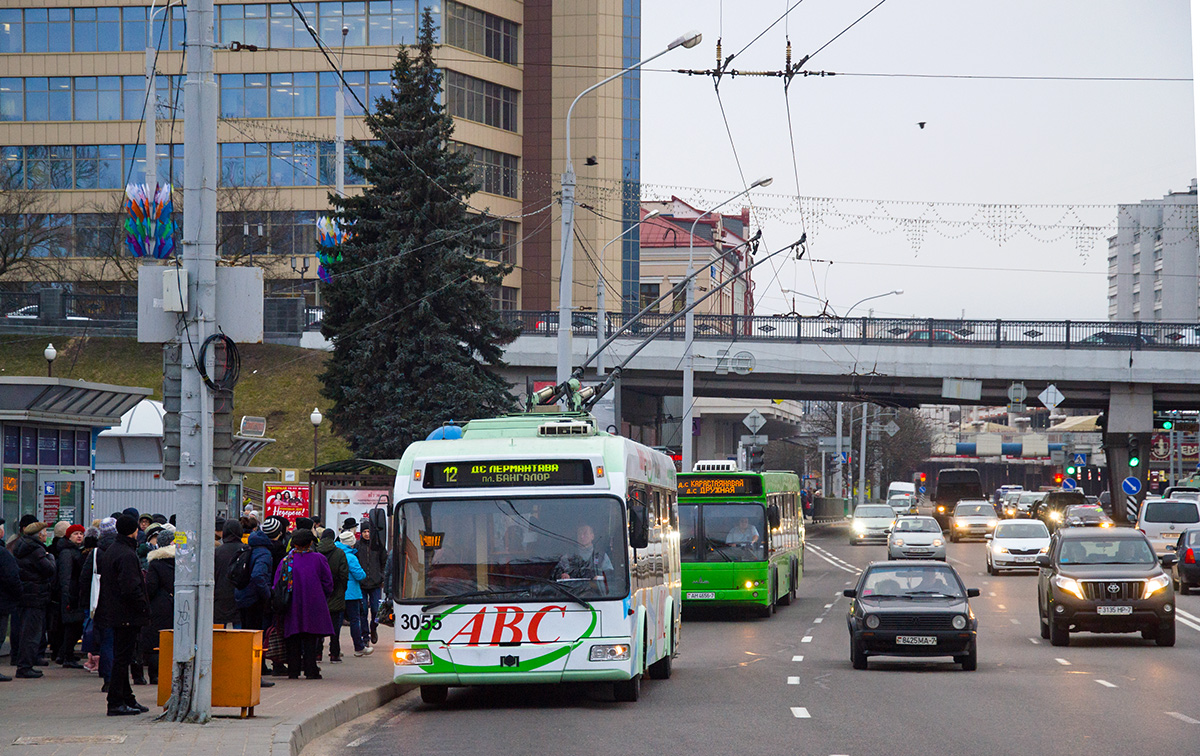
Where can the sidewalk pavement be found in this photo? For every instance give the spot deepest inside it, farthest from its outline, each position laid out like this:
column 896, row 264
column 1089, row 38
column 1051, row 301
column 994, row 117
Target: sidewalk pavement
column 64, row 713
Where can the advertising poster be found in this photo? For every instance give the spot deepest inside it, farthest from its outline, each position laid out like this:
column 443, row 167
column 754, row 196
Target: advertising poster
column 287, row 500
column 341, row 503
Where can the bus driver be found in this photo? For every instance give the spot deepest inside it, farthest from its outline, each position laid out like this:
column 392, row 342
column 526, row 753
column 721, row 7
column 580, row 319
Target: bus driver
column 744, row 534
column 586, row 562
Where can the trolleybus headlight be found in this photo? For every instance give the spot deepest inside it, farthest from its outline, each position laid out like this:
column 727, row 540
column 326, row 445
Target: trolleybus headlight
column 615, row 652
column 959, row 622
column 753, row 584
column 419, row 656
column 872, row 621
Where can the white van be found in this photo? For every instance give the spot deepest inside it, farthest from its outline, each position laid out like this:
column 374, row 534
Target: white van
column 1162, row 520
column 900, row 488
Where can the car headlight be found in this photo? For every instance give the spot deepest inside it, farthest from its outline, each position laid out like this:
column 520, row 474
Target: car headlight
column 937, row 541
column 417, row 656
column 1044, row 550
column 611, row 652
column 959, row 622
column 1155, row 584
column 1003, row 549
column 941, row 508
column 958, row 524
column 897, row 541
column 1106, row 524
column 871, row 621
column 859, row 526
column 1070, row 585
column 1056, row 516
column 991, row 523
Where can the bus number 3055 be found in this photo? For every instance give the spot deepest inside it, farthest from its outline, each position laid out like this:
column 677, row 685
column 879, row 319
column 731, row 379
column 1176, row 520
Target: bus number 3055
column 419, row 622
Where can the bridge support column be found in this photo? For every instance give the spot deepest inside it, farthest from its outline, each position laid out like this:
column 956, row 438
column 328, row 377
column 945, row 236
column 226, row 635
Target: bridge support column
column 1130, row 414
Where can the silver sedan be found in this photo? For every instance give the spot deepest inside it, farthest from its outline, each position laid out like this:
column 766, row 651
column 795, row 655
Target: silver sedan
column 916, row 538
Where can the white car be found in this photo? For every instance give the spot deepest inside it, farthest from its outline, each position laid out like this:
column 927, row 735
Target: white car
column 903, row 504
column 1162, row 520
column 973, row 518
column 872, row 522
column 916, row 538
column 1016, row 544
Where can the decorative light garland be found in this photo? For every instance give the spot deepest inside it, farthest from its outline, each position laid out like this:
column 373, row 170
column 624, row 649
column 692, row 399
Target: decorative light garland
column 149, row 229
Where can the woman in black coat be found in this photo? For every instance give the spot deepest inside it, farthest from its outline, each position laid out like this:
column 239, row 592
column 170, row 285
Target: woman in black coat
column 73, row 608
column 160, row 589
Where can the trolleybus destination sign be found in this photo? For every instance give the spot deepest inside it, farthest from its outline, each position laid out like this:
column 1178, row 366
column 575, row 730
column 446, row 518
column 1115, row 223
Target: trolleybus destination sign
column 719, row 485
column 490, row 473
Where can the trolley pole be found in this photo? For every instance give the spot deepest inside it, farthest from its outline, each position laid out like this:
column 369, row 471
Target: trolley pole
column 191, row 681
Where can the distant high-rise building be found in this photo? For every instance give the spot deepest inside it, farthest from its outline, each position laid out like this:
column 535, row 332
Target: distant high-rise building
column 1154, row 261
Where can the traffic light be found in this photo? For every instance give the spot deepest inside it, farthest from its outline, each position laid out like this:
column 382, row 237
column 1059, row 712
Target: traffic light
column 1058, row 478
column 1070, row 469
column 1163, row 423
column 754, row 456
column 1135, row 457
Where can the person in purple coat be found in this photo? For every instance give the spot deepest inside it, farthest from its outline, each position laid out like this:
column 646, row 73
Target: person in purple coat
column 307, row 616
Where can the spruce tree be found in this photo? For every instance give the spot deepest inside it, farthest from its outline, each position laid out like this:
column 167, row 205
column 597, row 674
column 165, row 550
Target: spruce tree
column 417, row 339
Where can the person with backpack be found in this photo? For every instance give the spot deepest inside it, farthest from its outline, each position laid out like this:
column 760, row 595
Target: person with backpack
column 252, row 594
column 305, row 585
column 225, row 580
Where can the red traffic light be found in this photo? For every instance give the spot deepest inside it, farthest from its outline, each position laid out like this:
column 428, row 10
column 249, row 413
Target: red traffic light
column 1058, row 478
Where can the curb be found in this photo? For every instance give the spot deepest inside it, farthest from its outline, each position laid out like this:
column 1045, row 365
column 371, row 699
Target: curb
column 292, row 736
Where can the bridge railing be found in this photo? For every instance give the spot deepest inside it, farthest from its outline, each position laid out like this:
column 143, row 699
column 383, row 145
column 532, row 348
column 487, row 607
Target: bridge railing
column 1061, row 334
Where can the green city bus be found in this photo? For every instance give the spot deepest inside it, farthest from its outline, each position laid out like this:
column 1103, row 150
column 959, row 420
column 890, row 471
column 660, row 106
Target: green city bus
column 741, row 538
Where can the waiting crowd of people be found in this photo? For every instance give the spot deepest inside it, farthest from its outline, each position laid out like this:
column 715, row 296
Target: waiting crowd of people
column 109, row 589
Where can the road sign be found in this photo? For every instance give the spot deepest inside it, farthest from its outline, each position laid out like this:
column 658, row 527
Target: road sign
column 753, row 440
column 891, row 428
column 1131, row 509
column 1017, row 393
column 1069, row 484
column 742, row 363
column 1016, row 409
column 1051, row 397
column 829, row 444
column 754, row 421
column 1079, row 459
column 845, row 457
column 921, row 489
column 1057, row 457
column 1131, row 486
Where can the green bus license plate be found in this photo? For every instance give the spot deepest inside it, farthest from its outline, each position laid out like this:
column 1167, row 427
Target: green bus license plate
column 1114, row 610
column 702, row 595
column 916, row 640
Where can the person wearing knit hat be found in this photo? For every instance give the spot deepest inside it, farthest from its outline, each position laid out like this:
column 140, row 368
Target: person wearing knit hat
column 37, row 580
column 60, row 528
column 304, row 523
column 124, row 609
column 108, row 525
column 72, row 607
column 354, row 594
column 161, row 519
column 26, row 520
column 272, row 527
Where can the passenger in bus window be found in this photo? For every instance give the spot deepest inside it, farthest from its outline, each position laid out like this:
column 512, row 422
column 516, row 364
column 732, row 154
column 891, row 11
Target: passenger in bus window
column 587, row 562
column 744, row 534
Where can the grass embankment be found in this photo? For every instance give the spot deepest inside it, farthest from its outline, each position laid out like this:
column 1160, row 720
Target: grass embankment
column 277, row 382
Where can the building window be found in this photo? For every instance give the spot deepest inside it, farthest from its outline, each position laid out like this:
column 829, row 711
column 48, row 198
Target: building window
column 11, row 31
column 12, row 97
column 1137, row 259
column 503, row 240
column 481, row 101
column 1157, row 296
column 496, row 172
column 504, row 298
column 480, row 32
column 647, row 293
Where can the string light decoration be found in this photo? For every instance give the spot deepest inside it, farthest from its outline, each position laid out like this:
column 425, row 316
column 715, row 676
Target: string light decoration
column 149, row 228
column 330, row 239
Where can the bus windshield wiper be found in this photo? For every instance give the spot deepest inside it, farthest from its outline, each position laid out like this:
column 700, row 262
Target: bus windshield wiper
column 469, row 594
column 718, row 548
column 570, row 594
column 937, row 594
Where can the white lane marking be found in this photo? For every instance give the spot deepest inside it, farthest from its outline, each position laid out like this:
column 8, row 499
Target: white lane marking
column 1035, row 641
column 838, row 594
column 829, row 606
column 992, row 594
column 1106, row 683
column 959, row 561
column 818, row 620
column 806, row 639
column 793, row 681
column 799, row 712
column 1189, row 623
column 1187, row 618
column 359, row 741
column 1001, row 606
column 797, row 658
column 1015, row 621
column 1063, row 662
column 830, row 559
column 1183, row 717
column 1192, row 617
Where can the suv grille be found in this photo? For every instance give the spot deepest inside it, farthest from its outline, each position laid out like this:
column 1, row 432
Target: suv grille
column 915, row 622
column 1099, row 590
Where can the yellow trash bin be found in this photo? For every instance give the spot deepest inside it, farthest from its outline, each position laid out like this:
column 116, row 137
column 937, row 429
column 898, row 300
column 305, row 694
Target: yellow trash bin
column 236, row 672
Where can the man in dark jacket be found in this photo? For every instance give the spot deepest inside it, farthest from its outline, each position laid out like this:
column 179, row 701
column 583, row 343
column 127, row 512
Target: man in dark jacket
column 254, row 601
column 160, row 592
column 125, row 609
column 10, row 588
column 373, row 562
column 72, row 609
column 37, row 582
column 225, row 608
column 339, row 567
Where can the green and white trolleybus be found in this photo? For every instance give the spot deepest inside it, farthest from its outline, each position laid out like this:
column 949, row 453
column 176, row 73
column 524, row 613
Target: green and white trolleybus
column 741, row 538
column 535, row 548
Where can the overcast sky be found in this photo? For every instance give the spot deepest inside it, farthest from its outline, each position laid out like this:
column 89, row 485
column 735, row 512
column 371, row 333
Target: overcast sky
column 1087, row 144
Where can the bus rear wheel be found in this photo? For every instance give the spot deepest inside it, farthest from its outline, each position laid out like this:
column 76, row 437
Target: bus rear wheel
column 434, row 694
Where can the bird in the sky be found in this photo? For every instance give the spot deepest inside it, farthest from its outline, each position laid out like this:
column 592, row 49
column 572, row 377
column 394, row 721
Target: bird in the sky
column 921, row 124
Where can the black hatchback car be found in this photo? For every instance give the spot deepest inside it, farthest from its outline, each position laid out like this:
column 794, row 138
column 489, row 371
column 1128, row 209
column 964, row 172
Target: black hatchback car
column 911, row 609
column 1105, row 581
column 1187, row 567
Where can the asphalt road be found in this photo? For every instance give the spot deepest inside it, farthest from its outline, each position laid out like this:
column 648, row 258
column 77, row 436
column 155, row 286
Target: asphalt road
column 784, row 685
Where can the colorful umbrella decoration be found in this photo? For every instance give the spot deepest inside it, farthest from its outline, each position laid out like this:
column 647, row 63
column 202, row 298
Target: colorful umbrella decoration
column 330, row 237
column 149, row 228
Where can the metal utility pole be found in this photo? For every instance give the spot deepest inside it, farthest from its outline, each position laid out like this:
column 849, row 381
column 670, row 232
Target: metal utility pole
column 339, row 171
column 862, row 457
column 838, row 481
column 191, row 676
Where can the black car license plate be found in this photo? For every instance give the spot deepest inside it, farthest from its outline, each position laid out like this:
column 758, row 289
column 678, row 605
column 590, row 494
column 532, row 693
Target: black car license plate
column 916, row 640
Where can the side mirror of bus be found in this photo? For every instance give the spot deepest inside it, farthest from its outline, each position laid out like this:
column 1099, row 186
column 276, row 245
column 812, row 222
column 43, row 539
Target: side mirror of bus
column 773, row 515
column 639, row 526
column 377, row 518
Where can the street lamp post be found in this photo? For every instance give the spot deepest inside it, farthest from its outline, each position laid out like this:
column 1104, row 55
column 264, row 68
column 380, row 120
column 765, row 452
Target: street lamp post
column 566, row 273
column 689, row 329
column 50, row 353
column 601, row 314
column 152, row 95
column 315, row 418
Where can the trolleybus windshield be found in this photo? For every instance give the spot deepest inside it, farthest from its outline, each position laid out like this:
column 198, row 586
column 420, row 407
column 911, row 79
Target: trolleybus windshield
column 722, row 532
column 514, row 549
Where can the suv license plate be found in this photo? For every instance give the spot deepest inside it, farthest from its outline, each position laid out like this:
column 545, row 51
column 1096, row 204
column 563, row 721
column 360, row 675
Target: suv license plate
column 916, row 640
column 1114, row 610
column 702, row 595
